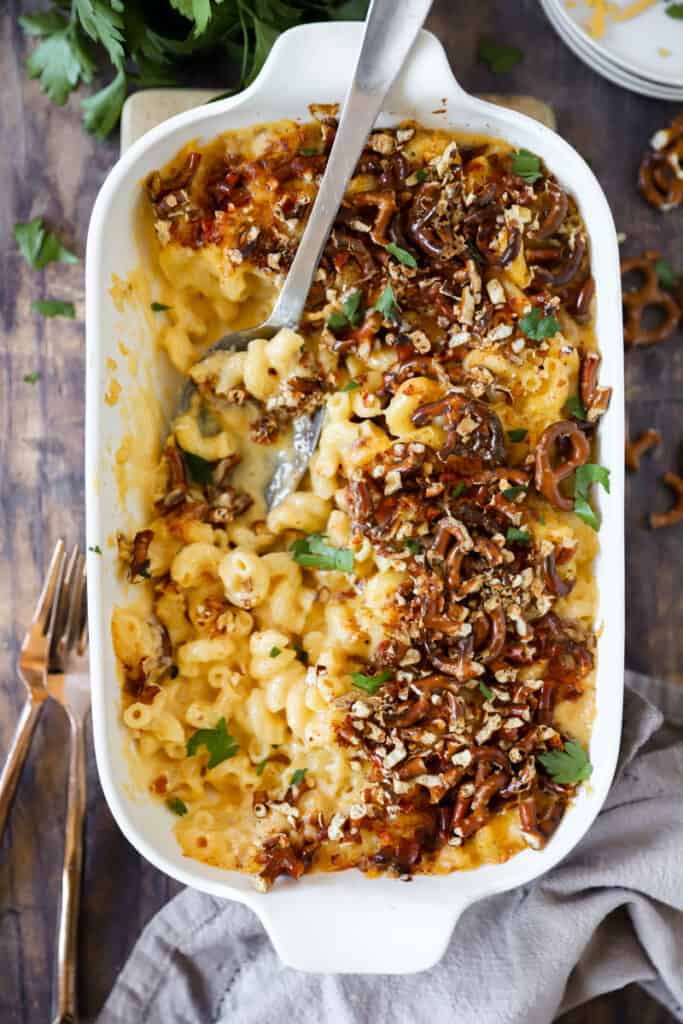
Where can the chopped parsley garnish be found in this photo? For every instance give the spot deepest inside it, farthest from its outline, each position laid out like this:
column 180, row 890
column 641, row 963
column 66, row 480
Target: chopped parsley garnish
column 474, row 252
column 500, row 57
column 420, row 175
column 143, row 571
column 33, row 377
column 301, row 654
column 487, row 691
column 260, row 767
column 518, row 536
column 178, row 806
column 96, row 549
column 567, row 766
column 459, row 489
column 39, row 246
column 350, row 315
column 666, row 275
column 298, row 776
column 514, row 492
column 583, row 478
column 351, row 386
column 413, row 546
column 574, row 407
column 539, row 327
column 313, row 552
column 526, row 165
column 54, row 307
column 402, row 255
column 386, row 303
column 309, row 151
column 518, row 434
column 201, row 470
column 274, row 651
column 217, row 741
column 370, row 684
column 159, row 307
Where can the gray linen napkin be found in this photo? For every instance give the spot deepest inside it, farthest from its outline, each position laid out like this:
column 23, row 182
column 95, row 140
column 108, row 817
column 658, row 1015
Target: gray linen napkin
column 610, row 914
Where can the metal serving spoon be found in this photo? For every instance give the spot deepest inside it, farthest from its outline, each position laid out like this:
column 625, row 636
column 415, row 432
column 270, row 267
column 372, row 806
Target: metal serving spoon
column 391, row 28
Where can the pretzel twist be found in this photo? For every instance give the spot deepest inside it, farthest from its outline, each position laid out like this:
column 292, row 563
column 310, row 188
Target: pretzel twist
column 648, row 296
column 659, row 177
column 548, row 477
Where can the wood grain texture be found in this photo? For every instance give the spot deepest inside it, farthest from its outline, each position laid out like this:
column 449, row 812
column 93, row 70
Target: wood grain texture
column 49, row 166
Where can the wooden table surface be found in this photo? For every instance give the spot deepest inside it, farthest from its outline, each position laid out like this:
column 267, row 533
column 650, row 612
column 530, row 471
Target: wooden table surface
column 51, row 167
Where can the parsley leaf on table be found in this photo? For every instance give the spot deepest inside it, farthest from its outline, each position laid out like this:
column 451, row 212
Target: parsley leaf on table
column 72, row 38
column 39, row 246
column 313, row 552
column 538, row 327
column 33, row 377
column 54, row 307
column 500, row 57
column 569, row 765
column 217, row 741
column 675, row 11
column 370, row 684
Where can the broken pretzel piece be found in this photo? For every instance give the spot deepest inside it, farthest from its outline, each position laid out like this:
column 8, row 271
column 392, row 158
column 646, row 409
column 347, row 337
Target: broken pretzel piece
column 648, row 296
column 675, row 513
column 635, row 449
column 659, row 178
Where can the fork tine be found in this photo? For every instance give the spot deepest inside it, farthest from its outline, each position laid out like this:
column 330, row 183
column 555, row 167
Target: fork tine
column 59, row 613
column 72, row 630
column 41, row 616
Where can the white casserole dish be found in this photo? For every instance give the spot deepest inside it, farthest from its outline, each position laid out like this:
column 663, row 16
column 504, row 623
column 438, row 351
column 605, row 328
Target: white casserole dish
column 335, row 922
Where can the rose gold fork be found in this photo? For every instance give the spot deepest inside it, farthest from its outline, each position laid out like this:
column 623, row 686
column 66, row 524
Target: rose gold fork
column 68, row 682
column 32, row 669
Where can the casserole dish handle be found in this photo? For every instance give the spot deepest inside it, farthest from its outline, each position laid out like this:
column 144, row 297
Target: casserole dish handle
column 395, row 938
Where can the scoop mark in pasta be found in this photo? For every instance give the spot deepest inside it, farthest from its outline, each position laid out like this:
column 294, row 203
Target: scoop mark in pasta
column 218, row 742
column 313, row 552
column 370, row 684
column 569, row 765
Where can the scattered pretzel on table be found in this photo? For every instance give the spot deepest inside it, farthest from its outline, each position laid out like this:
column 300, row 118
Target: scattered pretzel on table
column 660, row 178
column 648, row 296
column 675, row 513
column 635, row 449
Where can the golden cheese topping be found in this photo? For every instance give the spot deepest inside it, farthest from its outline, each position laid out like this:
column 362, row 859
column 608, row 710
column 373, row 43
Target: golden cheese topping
column 393, row 669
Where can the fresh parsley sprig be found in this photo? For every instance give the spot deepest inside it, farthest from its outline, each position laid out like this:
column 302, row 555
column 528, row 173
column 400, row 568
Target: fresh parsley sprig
column 146, row 43
column 313, row 552
column 350, row 315
column 569, row 765
column 527, row 166
column 583, row 478
column 217, row 741
column 39, row 246
column 538, row 327
column 370, row 684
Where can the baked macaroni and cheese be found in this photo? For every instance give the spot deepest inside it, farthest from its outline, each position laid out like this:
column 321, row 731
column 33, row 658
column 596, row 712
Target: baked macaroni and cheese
column 392, row 669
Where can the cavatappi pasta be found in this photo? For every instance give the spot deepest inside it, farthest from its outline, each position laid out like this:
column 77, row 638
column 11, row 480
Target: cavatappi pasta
column 392, row 669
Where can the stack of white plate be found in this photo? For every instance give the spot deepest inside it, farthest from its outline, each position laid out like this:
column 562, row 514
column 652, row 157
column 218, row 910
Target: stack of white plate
column 643, row 54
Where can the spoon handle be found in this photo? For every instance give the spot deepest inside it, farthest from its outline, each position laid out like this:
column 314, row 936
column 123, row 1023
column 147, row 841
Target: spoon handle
column 391, row 28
